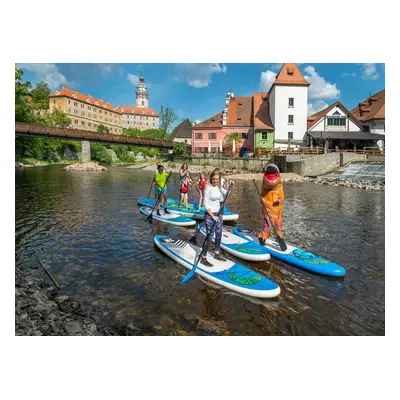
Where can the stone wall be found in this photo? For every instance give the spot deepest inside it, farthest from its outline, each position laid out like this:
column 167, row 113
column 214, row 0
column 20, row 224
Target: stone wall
column 321, row 164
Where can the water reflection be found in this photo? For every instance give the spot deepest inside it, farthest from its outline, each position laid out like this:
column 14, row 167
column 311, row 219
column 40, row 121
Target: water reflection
column 88, row 231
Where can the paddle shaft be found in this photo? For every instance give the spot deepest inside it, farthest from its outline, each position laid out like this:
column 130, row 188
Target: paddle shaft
column 158, row 197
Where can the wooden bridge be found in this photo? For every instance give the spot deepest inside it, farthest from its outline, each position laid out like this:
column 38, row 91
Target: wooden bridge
column 23, row 129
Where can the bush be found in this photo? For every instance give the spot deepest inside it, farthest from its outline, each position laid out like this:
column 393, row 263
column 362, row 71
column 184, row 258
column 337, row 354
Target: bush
column 179, row 149
column 100, row 154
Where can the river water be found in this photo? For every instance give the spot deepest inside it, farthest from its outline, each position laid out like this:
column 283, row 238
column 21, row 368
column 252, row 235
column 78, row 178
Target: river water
column 86, row 228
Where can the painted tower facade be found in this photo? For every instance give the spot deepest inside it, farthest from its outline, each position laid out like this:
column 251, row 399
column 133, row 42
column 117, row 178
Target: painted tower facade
column 288, row 106
column 142, row 96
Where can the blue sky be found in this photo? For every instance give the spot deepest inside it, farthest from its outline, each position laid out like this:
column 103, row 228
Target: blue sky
column 197, row 91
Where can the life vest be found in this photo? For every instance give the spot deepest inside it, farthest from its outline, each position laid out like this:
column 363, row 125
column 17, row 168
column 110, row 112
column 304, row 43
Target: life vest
column 202, row 184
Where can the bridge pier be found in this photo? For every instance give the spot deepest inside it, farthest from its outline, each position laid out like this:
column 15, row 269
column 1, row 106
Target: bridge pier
column 86, row 156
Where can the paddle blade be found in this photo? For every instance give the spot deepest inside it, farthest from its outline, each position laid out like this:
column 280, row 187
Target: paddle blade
column 150, row 218
column 195, row 203
column 188, row 276
column 281, row 243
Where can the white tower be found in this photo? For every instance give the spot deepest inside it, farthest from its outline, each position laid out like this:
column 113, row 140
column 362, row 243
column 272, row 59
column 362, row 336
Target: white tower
column 288, row 106
column 142, row 97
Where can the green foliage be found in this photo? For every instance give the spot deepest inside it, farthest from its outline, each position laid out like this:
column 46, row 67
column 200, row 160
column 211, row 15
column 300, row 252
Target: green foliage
column 102, row 128
column 40, row 96
column 23, row 112
column 147, row 133
column 100, row 154
column 167, row 118
column 56, row 118
column 123, row 153
column 234, row 136
column 179, row 149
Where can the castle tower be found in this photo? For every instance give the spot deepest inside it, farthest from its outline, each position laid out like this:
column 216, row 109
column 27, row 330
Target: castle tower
column 142, row 97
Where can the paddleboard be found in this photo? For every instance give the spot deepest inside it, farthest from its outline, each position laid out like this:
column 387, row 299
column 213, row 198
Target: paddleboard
column 240, row 247
column 294, row 256
column 190, row 211
column 228, row 274
column 173, row 219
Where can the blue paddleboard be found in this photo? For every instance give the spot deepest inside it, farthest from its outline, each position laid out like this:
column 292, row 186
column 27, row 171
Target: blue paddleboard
column 228, row 274
column 295, row 256
column 190, row 211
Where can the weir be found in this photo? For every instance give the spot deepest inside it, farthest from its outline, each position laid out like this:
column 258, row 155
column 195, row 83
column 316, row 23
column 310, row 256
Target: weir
column 360, row 171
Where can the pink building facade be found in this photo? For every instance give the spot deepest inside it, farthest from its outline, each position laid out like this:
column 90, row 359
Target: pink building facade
column 204, row 140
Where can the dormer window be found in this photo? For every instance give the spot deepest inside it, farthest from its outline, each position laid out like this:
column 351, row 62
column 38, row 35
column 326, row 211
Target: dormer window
column 57, row 92
column 88, row 100
column 240, row 104
column 74, row 95
column 290, row 71
column 96, row 102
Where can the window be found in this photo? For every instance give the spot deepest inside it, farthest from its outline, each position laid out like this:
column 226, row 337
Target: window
column 82, row 122
column 75, row 104
column 290, row 135
column 82, row 106
column 105, row 112
column 76, row 121
column 69, row 101
column 100, row 111
column 75, row 112
column 83, row 113
column 54, row 101
column 336, row 121
column 89, row 124
column 199, row 149
column 155, row 125
column 128, row 122
column 106, row 119
column 89, row 108
column 89, row 115
column 291, row 102
column 95, row 125
column 94, row 109
column 245, row 135
column 264, row 136
column 69, row 111
column 142, row 103
column 290, row 119
column 95, row 116
column 212, row 135
column 185, row 141
column 198, row 135
column 111, row 129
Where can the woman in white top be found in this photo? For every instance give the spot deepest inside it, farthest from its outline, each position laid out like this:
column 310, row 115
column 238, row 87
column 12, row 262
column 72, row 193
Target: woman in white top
column 214, row 195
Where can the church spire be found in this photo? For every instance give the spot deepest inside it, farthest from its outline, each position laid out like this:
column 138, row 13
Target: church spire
column 142, row 96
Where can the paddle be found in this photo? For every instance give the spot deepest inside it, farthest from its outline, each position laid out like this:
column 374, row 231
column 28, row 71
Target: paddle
column 280, row 241
column 150, row 217
column 207, row 240
column 151, row 187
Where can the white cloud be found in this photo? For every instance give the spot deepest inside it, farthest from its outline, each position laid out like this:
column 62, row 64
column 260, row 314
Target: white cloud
column 199, row 75
column 266, row 80
column 369, row 72
column 352, row 74
column 316, row 106
column 134, row 79
column 47, row 73
column 319, row 88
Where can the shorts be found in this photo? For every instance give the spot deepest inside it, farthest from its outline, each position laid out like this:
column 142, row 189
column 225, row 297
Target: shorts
column 161, row 191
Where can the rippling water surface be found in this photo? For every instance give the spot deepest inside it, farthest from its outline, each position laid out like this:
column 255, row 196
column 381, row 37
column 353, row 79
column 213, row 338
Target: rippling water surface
column 87, row 229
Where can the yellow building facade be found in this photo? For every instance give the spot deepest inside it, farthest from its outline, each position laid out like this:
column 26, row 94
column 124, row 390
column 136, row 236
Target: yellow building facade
column 85, row 111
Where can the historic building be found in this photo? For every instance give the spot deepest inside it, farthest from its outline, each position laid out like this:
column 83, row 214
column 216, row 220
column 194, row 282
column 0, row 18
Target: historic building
column 140, row 117
column 182, row 132
column 277, row 118
column 85, row 111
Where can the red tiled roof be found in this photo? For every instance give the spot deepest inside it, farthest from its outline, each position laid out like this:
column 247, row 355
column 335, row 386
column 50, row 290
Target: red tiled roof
column 290, row 75
column 372, row 108
column 315, row 118
column 76, row 94
column 240, row 111
column 213, row 122
column 137, row 110
column 261, row 118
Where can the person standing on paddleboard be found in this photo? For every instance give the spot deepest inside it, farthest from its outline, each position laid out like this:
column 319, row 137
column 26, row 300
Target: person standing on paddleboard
column 201, row 185
column 213, row 197
column 184, row 180
column 159, row 180
column 273, row 197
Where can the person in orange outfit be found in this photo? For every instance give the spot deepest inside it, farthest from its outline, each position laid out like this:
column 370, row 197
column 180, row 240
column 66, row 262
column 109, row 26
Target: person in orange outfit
column 273, row 198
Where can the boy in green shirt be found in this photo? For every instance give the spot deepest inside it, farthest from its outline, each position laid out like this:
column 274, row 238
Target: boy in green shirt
column 160, row 180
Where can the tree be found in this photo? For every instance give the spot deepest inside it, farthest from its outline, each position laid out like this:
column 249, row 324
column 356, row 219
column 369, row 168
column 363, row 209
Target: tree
column 102, row 128
column 23, row 112
column 56, row 118
column 167, row 118
column 179, row 149
column 40, row 96
column 234, row 136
